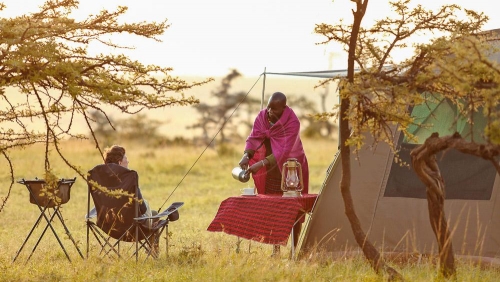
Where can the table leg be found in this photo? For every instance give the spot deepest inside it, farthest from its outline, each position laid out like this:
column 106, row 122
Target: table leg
column 276, row 251
column 27, row 237
column 238, row 243
column 68, row 233
column 49, row 224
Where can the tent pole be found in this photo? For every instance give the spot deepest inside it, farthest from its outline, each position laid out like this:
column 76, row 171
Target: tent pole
column 263, row 89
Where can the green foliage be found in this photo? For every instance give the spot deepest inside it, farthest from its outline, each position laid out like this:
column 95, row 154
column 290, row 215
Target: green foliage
column 223, row 116
column 468, row 75
column 136, row 135
column 49, row 189
column 103, row 128
column 139, row 127
column 456, row 62
column 493, row 132
column 312, row 123
column 379, row 91
column 50, row 80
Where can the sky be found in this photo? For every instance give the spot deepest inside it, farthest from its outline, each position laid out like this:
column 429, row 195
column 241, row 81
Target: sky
column 209, row 38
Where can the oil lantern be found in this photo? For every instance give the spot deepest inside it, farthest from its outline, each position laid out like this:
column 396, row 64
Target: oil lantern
column 291, row 178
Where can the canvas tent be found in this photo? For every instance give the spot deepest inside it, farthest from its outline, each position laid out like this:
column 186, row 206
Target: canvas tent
column 391, row 203
column 390, row 200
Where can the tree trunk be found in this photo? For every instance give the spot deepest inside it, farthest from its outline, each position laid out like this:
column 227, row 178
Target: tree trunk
column 367, row 247
column 425, row 165
column 370, row 252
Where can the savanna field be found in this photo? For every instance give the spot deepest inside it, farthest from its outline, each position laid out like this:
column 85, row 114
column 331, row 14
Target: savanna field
column 194, row 254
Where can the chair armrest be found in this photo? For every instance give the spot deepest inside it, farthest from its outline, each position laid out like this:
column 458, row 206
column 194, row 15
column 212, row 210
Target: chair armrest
column 92, row 214
column 67, row 180
column 171, row 209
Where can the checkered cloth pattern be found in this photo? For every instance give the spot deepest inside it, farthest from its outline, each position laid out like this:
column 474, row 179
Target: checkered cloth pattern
column 263, row 218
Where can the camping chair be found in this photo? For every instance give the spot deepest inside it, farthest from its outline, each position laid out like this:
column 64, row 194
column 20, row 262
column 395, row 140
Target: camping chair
column 48, row 198
column 115, row 217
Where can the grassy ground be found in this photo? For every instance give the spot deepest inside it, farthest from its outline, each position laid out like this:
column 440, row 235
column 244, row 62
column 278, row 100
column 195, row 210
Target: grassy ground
column 194, row 253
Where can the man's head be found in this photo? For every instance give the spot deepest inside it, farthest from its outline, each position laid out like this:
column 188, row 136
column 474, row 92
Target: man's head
column 116, row 154
column 275, row 106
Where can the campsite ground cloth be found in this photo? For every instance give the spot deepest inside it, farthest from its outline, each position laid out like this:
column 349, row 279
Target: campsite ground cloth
column 263, row 218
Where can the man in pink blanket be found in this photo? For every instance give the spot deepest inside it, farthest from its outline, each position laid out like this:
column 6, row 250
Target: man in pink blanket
column 275, row 137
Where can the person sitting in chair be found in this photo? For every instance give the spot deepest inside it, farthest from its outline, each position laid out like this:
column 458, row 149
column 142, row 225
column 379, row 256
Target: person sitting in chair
column 116, row 155
column 114, row 175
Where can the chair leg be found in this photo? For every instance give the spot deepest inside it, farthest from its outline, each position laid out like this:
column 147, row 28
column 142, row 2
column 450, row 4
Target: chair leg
column 151, row 244
column 166, row 240
column 107, row 247
column 155, row 248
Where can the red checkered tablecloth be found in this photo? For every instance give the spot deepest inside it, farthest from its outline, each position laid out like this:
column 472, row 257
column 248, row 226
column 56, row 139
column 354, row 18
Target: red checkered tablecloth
column 263, row 218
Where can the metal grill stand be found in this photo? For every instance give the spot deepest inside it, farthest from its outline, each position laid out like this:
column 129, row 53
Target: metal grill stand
column 46, row 199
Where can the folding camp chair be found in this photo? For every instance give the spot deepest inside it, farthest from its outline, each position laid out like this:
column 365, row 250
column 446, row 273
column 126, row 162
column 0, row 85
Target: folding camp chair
column 115, row 217
column 48, row 198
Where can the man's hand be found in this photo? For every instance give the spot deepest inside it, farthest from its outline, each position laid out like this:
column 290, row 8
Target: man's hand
column 256, row 167
column 244, row 162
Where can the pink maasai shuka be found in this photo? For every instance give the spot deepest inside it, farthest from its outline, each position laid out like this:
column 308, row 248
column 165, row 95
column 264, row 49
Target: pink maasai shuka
column 285, row 143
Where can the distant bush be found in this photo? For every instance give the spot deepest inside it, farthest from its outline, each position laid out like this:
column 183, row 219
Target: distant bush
column 137, row 128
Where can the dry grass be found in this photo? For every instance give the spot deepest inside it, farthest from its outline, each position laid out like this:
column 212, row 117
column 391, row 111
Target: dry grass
column 194, row 254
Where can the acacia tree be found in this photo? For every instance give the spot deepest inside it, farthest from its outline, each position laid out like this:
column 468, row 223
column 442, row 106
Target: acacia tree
column 221, row 116
column 462, row 71
column 375, row 100
column 47, row 74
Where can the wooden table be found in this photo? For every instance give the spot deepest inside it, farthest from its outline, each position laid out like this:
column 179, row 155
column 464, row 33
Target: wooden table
column 266, row 219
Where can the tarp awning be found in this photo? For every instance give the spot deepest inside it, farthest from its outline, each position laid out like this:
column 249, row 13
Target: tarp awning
column 318, row 74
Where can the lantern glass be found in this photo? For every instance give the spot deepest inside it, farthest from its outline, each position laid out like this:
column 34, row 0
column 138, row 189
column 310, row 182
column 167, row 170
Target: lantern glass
column 291, row 182
column 292, row 179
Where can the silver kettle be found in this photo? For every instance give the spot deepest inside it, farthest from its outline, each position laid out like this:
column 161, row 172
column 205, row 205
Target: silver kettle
column 240, row 174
